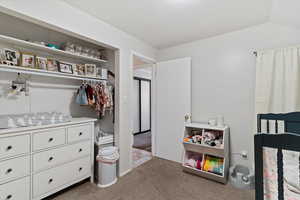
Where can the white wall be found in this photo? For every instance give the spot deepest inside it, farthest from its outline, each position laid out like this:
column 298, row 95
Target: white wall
column 223, row 77
column 143, row 72
column 59, row 15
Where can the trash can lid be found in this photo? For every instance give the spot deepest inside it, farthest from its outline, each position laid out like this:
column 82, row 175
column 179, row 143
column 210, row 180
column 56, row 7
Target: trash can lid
column 107, row 151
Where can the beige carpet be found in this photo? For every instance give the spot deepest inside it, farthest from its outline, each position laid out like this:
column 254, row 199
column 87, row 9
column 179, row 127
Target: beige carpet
column 157, row 180
column 139, row 157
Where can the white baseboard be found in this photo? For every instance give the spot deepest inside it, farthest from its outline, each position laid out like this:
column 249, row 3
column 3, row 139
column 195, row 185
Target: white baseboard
column 126, row 172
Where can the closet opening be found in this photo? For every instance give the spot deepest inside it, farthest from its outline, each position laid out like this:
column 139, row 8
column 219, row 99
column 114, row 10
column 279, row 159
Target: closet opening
column 142, row 148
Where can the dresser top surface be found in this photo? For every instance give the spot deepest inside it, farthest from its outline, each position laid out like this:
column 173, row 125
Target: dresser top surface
column 74, row 121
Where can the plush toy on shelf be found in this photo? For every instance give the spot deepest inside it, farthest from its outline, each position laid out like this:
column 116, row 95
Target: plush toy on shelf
column 212, row 139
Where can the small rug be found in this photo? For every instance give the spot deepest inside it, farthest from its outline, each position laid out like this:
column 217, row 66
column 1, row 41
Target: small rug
column 140, row 157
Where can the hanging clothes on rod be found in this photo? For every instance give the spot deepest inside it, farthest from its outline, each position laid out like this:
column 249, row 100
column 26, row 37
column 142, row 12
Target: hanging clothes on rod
column 100, row 96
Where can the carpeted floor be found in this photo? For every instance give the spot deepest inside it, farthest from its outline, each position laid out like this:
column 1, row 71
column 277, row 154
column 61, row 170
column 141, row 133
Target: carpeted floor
column 139, row 157
column 157, row 180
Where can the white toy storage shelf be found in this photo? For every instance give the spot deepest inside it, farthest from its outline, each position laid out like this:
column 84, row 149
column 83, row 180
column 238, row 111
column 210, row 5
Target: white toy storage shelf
column 208, row 146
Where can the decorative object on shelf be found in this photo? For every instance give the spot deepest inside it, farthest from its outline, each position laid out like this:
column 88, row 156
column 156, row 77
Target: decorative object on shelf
column 66, row 67
column 188, row 118
column 102, row 73
column 10, row 57
column 41, row 63
column 212, row 122
column 39, row 43
column 79, row 69
column 19, row 87
column 53, row 46
column 27, row 60
column 52, row 65
column 69, row 47
column 90, row 70
column 82, row 50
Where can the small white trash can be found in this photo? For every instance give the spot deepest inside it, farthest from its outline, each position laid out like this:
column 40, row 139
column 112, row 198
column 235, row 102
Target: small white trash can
column 107, row 166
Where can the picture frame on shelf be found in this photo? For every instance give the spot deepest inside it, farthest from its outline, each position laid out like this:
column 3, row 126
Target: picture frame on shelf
column 41, row 63
column 52, row 65
column 90, row 70
column 65, row 67
column 10, row 56
column 27, row 60
column 79, row 69
column 102, row 73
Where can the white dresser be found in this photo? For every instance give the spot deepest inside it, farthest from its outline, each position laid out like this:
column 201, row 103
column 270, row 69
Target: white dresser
column 36, row 162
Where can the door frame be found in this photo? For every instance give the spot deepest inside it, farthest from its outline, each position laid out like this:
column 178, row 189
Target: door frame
column 140, row 105
column 153, row 97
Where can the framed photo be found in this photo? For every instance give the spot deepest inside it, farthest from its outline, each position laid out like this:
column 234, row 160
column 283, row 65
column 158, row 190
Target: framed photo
column 10, row 56
column 91, row 70
column 27, row 60
column 52, row 65
column 41, row 63
column 79, row 69
column 65, row 67
column 101, row 73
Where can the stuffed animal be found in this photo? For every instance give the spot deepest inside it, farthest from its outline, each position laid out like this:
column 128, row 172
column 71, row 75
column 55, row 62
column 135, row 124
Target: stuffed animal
column 209, row 139
column 191, row 162
column 197, row 139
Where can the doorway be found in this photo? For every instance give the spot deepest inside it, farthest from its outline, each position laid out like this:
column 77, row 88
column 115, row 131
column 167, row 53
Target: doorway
column 141, row 106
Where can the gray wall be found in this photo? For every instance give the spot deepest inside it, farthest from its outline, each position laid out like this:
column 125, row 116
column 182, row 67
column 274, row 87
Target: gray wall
column 223, row 77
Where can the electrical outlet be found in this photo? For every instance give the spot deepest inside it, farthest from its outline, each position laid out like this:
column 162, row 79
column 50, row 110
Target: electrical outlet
column 244, row 155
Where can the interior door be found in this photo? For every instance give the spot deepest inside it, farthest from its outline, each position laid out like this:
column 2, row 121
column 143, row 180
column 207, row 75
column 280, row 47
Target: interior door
column 172, row 103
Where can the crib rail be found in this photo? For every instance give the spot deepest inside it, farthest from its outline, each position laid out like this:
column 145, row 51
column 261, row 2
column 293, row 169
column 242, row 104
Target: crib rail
column 285, row 141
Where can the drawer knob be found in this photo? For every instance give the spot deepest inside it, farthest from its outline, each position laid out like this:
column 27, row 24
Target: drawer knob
column 50, row 181
column 80, row 169
column 9, row 148
column 50, row 139
column 80, row 150
column 9, row 197
column 9, row 171
column 50, row 159
column 80, row 134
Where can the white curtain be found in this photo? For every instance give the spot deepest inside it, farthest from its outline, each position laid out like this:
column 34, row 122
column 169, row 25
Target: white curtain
column 278, row 81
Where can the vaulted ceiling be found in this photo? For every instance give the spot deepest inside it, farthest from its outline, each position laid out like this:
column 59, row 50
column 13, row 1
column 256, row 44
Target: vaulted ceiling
column 165, row 23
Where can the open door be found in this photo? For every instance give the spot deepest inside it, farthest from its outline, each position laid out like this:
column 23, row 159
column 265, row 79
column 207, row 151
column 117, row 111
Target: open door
column 172, row 103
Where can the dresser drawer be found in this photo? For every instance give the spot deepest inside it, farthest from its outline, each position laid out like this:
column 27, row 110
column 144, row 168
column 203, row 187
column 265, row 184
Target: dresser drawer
column 78, row 133
column 51, row 138
column 61, row 155
column 16, row 190
column 49, row 180
column 13, row 146
column 14, row 168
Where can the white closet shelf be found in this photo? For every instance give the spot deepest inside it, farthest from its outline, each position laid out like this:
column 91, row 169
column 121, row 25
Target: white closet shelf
column 34, row 46
column 19, row 69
